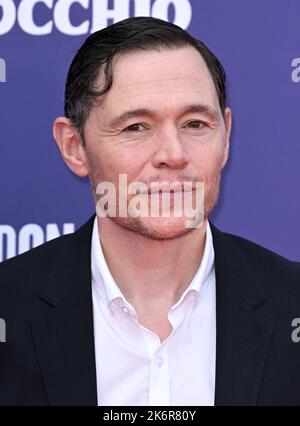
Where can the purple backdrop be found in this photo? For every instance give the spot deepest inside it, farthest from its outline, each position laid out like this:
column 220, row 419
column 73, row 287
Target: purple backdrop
column 258, row 44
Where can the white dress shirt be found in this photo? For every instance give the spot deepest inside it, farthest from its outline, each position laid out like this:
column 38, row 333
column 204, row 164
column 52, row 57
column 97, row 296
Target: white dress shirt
column 133, row 366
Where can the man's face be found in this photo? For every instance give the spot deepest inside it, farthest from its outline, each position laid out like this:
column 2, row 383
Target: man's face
column 152, row 126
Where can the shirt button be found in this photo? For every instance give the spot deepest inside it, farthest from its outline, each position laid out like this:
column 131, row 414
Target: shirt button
column 159, row 361
column 125, row 310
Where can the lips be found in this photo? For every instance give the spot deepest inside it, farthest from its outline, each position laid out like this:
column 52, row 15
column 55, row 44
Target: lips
column 171, row 188
column 171, row 192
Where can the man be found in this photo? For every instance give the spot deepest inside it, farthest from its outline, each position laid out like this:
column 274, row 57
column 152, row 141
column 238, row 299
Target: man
column 143, row 309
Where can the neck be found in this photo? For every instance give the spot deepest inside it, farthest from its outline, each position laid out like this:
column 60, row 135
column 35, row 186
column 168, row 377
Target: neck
column 151, row 271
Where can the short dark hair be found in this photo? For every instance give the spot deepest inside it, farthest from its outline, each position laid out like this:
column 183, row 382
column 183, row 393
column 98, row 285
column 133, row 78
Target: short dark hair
column 132, row 34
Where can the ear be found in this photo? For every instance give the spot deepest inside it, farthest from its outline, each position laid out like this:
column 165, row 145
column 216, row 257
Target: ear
column 70, row 145
column 228, row 121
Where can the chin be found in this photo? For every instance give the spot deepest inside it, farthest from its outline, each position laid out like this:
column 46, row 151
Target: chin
column 156, row 228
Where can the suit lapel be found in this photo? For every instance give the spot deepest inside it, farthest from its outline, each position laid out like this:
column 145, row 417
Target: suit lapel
column 63, row 333
column 243, row 334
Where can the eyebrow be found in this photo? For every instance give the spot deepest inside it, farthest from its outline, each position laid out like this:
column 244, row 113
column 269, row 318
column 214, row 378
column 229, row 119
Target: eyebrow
column 211, row 113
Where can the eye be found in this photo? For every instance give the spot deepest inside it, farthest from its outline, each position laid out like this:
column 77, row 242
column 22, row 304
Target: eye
column 136, row 127
column 195, row 124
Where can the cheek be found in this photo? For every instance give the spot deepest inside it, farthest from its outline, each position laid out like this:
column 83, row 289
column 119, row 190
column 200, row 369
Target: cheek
column 108, row 166
column 131, row 160
column 208, row 162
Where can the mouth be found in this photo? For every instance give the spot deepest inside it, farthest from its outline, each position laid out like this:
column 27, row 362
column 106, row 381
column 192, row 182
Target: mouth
column 170, row 189
column 169, row 193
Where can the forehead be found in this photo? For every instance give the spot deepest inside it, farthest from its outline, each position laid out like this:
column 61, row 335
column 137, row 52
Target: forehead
column 160, row 79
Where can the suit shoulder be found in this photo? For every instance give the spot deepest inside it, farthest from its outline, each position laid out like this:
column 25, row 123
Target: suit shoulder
column 271, row 266
column 31, row 265
column 259, row 251
column 37, row 253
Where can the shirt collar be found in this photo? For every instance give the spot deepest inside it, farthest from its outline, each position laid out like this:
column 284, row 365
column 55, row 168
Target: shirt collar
column 102, row 279
column 206, row 268
column 107, row 288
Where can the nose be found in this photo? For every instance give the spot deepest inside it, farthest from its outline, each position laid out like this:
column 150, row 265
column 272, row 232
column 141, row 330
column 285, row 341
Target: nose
column 169, row 150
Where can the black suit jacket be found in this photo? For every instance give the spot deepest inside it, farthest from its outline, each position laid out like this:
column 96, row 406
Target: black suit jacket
column 49, row 358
